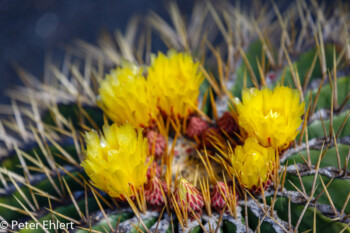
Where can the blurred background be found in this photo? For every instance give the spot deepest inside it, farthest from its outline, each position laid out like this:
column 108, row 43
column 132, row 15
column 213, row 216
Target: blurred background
column 32, row 29
column 29, row 30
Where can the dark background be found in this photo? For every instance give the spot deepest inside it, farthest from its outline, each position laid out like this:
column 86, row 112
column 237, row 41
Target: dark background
column 29, row 29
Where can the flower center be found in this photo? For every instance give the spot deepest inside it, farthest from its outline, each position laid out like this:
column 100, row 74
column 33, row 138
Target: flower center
column 272, row 114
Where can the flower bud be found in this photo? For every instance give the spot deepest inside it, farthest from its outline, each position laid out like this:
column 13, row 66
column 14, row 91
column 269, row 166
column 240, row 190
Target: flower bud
column 187, row 196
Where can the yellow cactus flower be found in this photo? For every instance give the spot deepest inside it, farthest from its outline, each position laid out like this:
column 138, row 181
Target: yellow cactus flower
column 175, row 81
column 116, row 162
column 271, row 116
column 125, row 97
column 252, row 162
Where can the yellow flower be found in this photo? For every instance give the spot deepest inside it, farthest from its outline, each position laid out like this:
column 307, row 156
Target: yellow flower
column 116, row 162
column 252, row 162
column 271, row 116
column 175, row 81
column 125, row 97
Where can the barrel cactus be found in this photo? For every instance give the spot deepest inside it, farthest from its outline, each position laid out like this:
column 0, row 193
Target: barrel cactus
column 242, row 126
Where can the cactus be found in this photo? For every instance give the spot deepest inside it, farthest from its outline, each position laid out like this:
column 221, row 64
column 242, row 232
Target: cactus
column 192, row 186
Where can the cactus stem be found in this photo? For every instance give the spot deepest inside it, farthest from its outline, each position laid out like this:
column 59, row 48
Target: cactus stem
column 329, row 197
column 102, row 210
column 303, row 211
